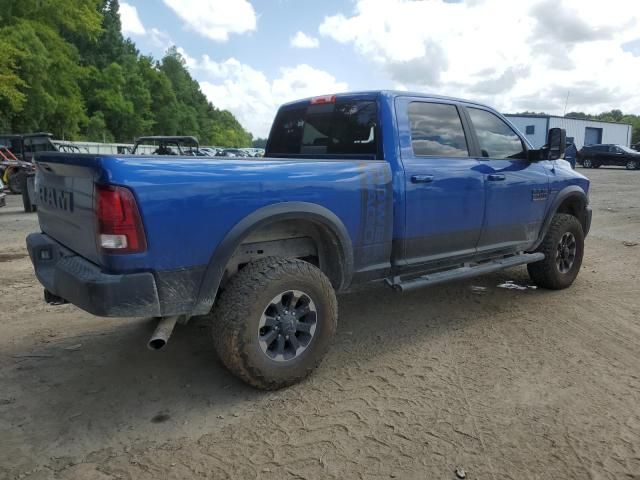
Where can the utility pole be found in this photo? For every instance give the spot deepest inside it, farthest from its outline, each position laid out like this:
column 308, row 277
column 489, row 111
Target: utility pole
column 565, row 104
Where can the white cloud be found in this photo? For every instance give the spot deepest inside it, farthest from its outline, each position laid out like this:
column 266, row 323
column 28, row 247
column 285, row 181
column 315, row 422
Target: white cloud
column 302, row 40
column 505, row 53
column 215, row 19
column 252, row 97
column 131, row 24
column 159, row 39
column 189, row 61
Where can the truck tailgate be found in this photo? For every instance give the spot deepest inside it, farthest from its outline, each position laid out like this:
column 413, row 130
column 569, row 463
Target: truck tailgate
column 64, row 190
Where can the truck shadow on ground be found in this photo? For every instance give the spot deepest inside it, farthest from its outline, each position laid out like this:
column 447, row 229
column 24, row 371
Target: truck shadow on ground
column 106, row 385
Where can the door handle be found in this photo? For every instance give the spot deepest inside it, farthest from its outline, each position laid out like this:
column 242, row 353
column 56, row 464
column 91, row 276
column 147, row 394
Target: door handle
column 421, row 178
column 496, row 177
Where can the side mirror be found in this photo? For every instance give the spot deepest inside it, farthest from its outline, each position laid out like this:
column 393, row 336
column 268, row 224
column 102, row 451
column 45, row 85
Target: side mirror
column 557, row 142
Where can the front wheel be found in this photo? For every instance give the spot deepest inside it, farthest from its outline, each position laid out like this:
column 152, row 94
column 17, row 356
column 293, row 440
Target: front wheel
column 587, row 163
column 563, row 248
column 632, row 165
column 275, row 321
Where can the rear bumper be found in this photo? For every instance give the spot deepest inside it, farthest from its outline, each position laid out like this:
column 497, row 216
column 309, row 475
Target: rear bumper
column 78, row 281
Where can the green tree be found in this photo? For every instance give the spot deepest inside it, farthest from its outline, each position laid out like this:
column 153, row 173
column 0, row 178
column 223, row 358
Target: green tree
column 97, row 130
column 194, row 113
column 65, row 67
column 12, row 96
column 259, row 143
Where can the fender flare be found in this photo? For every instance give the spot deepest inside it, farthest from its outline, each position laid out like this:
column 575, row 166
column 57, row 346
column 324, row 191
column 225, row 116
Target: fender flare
column 317, row 214
column 572, row 191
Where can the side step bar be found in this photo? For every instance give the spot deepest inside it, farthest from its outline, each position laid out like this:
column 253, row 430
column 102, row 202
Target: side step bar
column 463, row 272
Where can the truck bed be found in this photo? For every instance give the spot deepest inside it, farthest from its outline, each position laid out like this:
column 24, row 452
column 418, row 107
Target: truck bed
column 189, row 204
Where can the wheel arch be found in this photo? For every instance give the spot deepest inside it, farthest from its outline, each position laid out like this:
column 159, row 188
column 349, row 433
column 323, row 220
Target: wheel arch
column 332, row 231
column 572, row 200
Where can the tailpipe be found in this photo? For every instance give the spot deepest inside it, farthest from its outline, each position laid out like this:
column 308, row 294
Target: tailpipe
column 162, row 332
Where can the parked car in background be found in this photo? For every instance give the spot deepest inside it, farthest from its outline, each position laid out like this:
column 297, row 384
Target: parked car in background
column 593, row 156
column 232, row 152
column 195, row 152
column 254, row 152
column 210, row 151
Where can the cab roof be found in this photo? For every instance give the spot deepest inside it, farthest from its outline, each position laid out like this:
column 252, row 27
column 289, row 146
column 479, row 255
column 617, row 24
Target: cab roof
column 389, row 94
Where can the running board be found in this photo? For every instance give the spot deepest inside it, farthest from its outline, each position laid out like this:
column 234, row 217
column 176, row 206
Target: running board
column 466, row 271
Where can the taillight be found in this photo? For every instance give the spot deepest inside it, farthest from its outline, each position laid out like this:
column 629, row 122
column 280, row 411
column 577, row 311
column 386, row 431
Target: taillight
column 120, row 227
column 323, row 99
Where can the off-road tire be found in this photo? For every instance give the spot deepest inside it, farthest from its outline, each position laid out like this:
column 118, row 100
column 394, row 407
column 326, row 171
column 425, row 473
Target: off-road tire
column 238, row 311
column 546, row 273
column 14, row 182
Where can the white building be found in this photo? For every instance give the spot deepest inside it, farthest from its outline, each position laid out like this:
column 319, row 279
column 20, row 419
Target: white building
column 581, row 132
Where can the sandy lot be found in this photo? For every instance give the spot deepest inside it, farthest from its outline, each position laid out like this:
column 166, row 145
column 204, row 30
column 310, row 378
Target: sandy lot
column 507, row 384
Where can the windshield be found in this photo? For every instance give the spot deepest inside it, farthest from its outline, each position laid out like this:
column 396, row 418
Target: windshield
column 627, row 149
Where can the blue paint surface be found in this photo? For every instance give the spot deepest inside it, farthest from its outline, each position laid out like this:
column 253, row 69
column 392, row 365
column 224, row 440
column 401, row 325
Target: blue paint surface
column 188, row 205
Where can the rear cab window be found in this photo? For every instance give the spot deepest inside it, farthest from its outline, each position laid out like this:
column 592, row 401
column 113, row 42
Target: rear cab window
column 344, row 127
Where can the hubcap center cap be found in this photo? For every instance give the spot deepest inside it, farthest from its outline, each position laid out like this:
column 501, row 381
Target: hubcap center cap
column 288, row 324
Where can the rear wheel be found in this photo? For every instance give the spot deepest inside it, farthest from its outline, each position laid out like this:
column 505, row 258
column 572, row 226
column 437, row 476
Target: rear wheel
column 632, row 164
column 563, row 248
column 26, row 199
column 275, row 321
column 587, row 163
column 14, row 181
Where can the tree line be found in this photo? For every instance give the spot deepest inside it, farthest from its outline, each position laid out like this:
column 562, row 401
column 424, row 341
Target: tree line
column 66, row 68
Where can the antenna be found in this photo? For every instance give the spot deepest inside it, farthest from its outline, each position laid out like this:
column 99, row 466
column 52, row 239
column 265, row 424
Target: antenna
column 565, row 104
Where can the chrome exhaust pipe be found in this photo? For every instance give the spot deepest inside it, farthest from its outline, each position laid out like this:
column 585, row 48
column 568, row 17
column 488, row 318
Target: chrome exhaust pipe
column 162, row 332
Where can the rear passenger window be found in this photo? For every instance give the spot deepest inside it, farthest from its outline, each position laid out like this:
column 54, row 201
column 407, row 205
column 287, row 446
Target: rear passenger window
column 343, row 128
column 496, row 138
column 436, row 130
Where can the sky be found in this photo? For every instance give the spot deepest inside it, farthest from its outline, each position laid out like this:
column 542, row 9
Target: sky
column 250, row 56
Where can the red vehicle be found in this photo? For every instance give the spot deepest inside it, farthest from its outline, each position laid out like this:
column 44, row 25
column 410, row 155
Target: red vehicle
column 16, row 162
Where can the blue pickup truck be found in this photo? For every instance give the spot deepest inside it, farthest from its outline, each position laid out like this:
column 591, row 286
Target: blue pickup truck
column 409, row 189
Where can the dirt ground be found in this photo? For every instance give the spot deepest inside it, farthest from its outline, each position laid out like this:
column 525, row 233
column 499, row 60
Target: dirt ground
column 504, row 383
